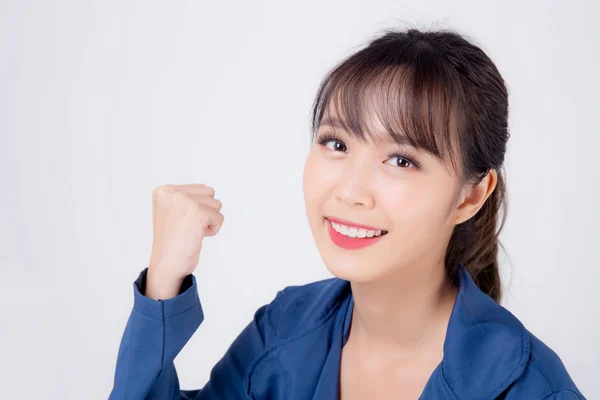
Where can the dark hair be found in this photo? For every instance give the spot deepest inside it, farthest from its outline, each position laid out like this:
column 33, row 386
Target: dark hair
column 443, row 95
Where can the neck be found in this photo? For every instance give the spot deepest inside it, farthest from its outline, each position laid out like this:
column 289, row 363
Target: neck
column 407, row 312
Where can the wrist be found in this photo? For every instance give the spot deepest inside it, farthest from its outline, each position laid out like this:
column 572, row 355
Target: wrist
column 161, row 286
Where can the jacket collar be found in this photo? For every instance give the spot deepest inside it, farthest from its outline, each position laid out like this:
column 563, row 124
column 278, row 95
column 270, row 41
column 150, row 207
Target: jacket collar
column 486, row 347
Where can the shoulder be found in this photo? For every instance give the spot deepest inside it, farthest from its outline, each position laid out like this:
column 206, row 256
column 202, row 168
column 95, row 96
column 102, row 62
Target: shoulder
column 488, row 352
column 545, row 376
column 297, row 309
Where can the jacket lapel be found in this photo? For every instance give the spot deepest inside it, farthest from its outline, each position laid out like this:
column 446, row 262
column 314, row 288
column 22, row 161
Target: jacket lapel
column 486, row 347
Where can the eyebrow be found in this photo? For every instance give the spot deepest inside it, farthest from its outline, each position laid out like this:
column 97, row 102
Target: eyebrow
column 399, row 139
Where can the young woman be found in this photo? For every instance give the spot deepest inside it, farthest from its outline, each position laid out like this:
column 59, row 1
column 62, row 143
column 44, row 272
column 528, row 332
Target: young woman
column 405, row 199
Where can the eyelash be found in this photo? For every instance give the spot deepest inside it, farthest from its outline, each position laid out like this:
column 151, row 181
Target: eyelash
column 323, row 139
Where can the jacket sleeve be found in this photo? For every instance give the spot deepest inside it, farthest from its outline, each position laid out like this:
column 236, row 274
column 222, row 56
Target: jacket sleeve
column 155, row 333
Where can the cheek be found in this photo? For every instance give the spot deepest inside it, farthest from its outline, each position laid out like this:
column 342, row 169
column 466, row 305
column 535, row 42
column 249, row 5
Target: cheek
column 420, row 207
column 318, row 179
column 311, row 183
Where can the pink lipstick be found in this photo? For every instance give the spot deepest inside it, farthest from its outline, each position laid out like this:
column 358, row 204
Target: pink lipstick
column 349, row 243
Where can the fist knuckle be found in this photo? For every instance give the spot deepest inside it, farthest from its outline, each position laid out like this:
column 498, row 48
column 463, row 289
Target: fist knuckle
column 180, row 198
column 194, row 209
column 162, row 190
column 201, row 211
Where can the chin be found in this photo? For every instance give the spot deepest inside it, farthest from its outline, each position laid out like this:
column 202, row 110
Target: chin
column 351, row 269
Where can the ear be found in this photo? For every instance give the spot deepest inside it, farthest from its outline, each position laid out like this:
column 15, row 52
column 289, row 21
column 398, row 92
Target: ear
column 473, row 197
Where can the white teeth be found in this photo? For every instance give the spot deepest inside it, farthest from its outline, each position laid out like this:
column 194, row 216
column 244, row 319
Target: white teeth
column 352, row 231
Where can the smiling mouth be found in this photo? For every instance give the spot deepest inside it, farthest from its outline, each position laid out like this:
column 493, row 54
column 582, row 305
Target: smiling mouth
column 352, row 239
column 355, row 232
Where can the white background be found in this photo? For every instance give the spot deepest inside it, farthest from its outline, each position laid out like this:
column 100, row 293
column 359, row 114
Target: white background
column 101, row 101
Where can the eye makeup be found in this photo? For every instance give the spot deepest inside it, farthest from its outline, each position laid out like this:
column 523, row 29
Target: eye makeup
column 323, row 139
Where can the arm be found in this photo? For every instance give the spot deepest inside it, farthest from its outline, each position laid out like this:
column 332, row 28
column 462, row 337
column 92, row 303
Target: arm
column 156, row 332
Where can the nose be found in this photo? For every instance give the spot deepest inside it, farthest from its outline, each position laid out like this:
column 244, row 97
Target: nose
column 354, row 187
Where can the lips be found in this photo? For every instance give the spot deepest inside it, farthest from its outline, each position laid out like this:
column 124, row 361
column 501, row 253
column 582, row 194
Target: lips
column 347, row 242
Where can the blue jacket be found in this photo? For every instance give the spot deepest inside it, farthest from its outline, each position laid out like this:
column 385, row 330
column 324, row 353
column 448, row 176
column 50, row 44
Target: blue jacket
column 291, row 349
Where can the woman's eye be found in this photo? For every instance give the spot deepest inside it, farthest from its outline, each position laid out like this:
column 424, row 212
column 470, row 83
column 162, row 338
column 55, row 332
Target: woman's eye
column 402, row 162
column 337, row 145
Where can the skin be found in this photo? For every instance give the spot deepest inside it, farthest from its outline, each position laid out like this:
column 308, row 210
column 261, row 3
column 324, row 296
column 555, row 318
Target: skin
column 402, row 299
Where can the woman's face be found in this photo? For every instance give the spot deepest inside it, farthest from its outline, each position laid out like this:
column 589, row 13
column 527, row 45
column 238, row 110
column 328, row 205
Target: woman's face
column 413, row 198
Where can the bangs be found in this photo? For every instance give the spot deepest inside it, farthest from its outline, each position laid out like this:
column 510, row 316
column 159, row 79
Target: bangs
column 408, row 93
